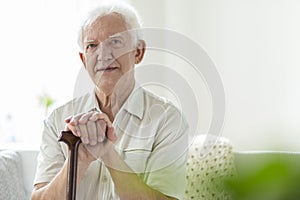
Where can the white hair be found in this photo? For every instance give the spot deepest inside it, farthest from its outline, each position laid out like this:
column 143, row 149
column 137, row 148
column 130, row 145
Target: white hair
column 127, row 12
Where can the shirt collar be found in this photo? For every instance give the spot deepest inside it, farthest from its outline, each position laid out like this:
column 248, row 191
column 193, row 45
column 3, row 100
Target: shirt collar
column 134, row 103
column 92, row 102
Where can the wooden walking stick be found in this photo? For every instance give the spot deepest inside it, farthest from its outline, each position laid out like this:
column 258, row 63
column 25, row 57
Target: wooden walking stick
column 73, row 143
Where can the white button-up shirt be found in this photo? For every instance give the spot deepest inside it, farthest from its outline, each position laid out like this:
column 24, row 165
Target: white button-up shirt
column 152, row 140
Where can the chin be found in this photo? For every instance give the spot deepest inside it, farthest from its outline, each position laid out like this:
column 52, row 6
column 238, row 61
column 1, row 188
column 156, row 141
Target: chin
column 106, row 88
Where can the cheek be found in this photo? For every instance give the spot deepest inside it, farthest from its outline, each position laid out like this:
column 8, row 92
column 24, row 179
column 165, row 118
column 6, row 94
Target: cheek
column 90, row 62
column 127, row 62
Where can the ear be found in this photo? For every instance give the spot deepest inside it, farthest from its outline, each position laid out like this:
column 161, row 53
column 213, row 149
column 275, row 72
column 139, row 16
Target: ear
column 140, row 51
column 81, row 55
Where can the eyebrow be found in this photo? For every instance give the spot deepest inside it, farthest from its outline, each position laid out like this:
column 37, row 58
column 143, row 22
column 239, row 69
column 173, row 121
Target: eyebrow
column 115, row 35
column 89, row 41
column 112, row 36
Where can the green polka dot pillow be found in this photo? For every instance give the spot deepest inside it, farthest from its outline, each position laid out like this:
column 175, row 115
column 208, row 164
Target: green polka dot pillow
column 210, row 161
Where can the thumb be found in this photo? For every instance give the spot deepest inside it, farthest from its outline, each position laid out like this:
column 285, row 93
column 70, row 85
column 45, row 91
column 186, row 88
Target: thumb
column 69, row 127
column 68, row 119
column 111, row 135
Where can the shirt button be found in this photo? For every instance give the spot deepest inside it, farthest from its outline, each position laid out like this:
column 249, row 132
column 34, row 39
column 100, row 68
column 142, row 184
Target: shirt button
column 104, row 179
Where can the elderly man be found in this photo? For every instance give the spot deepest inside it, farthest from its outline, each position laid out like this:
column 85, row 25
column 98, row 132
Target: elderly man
column 134, row 144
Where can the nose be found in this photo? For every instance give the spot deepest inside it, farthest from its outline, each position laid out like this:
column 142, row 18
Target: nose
column 104, row 52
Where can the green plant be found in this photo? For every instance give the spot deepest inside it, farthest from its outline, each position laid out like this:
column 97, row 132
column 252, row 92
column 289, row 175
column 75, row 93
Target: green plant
column 46, row 101
column 275, row 180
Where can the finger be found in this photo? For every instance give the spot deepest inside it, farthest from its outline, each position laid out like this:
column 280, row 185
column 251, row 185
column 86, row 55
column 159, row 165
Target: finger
column 101, row 116
column 69, row 127
column 85, row 118
column 101, row 129
column 83, row 133
column 75, row 119
column 68, row 119
column 92, row 132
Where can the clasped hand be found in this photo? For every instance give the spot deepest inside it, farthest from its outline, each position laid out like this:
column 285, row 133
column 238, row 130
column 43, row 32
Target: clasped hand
column 95, row 130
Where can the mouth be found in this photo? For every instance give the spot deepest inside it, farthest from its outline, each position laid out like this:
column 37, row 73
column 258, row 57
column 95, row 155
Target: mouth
column 108, row 69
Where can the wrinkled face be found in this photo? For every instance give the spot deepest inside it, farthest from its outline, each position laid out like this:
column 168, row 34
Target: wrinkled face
column 109, row 52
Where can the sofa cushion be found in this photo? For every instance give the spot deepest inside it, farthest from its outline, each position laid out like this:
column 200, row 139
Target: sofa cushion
column 11, row 181
column 210, row 162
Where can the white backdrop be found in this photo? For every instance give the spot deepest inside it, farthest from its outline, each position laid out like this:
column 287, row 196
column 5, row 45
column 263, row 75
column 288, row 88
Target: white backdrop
column 254, row 44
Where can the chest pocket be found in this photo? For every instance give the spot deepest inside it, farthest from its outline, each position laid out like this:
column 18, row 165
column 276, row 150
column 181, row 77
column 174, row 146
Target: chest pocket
column 134, row 150
column 136, row 159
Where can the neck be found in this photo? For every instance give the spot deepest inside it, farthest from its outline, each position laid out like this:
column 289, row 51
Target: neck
column 112, row 102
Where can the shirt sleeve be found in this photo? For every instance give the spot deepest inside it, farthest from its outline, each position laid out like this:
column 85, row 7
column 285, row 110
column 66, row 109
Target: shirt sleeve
column 166, row 166
column 51, row 157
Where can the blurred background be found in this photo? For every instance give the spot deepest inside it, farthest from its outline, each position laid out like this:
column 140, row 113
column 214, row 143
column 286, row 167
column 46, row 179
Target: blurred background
column 254, row 45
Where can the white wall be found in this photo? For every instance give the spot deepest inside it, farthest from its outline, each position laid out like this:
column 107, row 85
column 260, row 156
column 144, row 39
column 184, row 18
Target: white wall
column 38, row 54
column 255, row 46
column 253, row 43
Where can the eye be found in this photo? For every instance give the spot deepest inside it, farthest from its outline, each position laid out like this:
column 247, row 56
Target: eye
column 116, row 43
column 91, row 46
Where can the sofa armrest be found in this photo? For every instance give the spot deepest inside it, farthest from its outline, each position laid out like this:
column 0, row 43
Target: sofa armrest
column 246, row 161
column 11, row 181
column 29, row 162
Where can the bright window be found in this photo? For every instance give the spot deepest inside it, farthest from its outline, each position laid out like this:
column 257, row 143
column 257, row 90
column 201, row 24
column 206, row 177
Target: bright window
column 39, row 56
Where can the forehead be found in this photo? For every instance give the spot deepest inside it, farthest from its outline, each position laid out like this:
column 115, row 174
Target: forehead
column 105, row 26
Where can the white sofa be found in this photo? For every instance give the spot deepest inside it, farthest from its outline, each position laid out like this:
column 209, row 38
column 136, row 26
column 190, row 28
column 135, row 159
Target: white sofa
column 29, row 161
column 17, row 171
